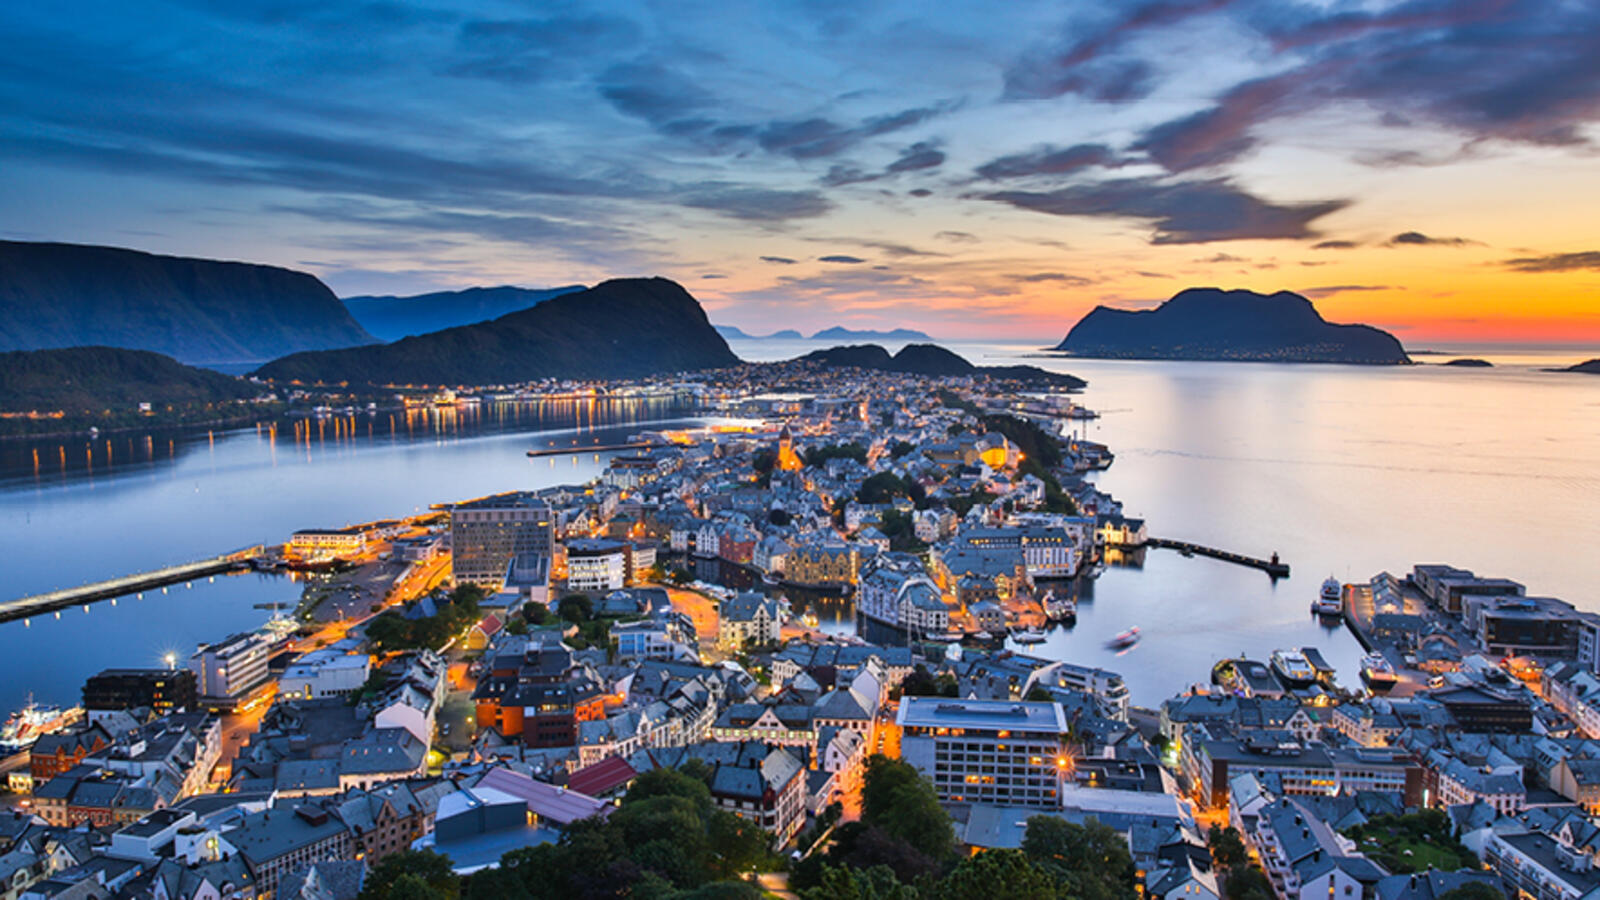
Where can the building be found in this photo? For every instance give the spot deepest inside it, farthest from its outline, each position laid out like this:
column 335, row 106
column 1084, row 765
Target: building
column 987, row 751
column 325, row 673
column 227, row 671
column 1120, row 531
column 485, row 535
column 1523, row 626
column 282, row 839
column 324, row 544
column 596, row 564
column 162, row 690
column 1304, row 858
column 827, row 564
column 539, row 694
column 749, row 617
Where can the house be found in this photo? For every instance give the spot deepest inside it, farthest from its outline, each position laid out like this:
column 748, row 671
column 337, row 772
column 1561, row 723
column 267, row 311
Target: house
column 749, row 618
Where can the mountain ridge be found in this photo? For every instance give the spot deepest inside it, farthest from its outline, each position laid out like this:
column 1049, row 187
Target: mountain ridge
column 622, row 328
column 1237, row 325
column 933, row 360
column 56, row 295
column 389, row 317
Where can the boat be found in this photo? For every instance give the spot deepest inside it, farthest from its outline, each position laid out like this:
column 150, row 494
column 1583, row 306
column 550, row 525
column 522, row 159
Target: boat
column 1293, row 669
column 1377, row 672
column 1098, row 570
column 810, row 620
column 1124, row 640
column 1330, row 602
column 1028, row 636
column 769, row 578
column 1060, row 609
column 32, row 722
column 942, row 637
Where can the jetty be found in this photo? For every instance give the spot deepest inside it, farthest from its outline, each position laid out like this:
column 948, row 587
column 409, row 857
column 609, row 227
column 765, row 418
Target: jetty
column 1272, row 567
column 24, row 607
column 591, row 448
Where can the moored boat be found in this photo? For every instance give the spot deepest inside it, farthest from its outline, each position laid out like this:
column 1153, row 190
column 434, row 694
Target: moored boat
column 1060, row 608
column 1028, row 636
column 1293, row 669
column 32, row 722
column 1330, row 602
column 1377, row 672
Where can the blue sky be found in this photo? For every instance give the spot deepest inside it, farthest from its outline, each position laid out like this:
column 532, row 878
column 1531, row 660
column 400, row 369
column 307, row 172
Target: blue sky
column 966, row 168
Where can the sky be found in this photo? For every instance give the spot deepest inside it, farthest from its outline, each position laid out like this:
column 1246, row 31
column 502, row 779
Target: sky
column 975, row 170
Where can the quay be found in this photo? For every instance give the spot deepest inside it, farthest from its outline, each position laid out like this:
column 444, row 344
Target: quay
column 592, row 448
column 24, row 607
column 1272, row 567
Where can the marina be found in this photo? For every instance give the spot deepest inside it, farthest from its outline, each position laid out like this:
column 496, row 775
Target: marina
column 1273, row 567
column 53, row 601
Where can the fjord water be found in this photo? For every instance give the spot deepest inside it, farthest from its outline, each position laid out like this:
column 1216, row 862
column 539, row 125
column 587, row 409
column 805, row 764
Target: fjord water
column 119, row 504
column 1343, row 470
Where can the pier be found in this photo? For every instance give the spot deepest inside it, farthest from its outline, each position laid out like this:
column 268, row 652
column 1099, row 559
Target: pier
column 24, row 607
column 1272, row 567
column 592, row 448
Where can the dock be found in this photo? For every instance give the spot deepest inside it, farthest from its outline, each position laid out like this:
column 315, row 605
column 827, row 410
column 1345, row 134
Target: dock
column 25, row 607
column 1272, row 567
column 591, row 448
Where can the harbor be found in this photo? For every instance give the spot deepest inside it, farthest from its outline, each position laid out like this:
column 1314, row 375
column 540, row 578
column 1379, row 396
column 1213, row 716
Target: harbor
column 1273, row 566
column 53, row 601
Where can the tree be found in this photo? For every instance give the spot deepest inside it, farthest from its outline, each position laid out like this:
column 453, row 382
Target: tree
column 875, row 883
column 411, row 871
column 1089, row 862
column 536, row 613
column 496, row 884
column 575, row 608
column 998, row 873
column 1038, row 694
column 1473, row 890
column 901, row 448
column 896, row 798
column 1248, row 883
column 1227, row 847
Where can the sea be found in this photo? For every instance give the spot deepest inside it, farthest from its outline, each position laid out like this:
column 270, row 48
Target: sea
column 1345, row 471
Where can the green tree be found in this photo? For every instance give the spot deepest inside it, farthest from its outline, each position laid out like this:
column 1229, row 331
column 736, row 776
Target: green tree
column 412, row 887
column 1038, row 694
column 575, row 608
column 875, row 883
column 1473, row 890
column 901, row 448
column 423, row 868
column 896, row 798
column 1248, row 883
column 496, row 884
column 1227, row 847
column 536, row 613
column 998, row 873
column 1089, row 862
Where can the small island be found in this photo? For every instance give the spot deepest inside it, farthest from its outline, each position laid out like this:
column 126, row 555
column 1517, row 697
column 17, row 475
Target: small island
column 1469, row 363
column 933, row 361
column 1213, row 324
column 1587, row 367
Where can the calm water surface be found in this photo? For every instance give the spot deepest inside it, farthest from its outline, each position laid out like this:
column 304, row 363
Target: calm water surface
column 1342, row 470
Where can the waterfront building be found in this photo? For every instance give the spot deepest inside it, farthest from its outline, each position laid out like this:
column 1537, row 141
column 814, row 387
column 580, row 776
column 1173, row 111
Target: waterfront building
column 161, row 690
column 1120, row 531
column 596, row 564
column 1447, row 586
column 319, row 544
column 486, row 534
column 749, row 617
column 822, row 564
column 1010, row 753
column 1047, row 552
column 230, row 669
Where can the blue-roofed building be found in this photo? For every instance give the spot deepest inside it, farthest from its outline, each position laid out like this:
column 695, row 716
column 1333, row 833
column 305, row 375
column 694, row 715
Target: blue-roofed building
column 1010, row 753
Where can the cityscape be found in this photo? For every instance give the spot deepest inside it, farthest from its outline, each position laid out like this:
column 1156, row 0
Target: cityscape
column 762, row 468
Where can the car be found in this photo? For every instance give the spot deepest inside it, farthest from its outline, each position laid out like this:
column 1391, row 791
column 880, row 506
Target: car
column 1436, row 681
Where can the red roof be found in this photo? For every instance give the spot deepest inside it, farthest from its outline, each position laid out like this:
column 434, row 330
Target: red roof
column 606, row 775
column 489, row 625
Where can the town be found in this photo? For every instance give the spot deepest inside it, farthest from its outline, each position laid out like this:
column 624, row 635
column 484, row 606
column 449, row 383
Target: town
column 580, row 690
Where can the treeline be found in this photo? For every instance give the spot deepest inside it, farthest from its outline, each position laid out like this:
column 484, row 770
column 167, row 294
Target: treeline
column 456, row 612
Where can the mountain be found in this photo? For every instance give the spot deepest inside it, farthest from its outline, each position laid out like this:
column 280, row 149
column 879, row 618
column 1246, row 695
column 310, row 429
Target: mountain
column 1469, row 363
column 838, row 333
column 91, row 380
column 197, row 310
column 1212, row 324
column 626, row 328
column 1590, row 367
column 931, row 359
column 390, row 318
column 733, row 332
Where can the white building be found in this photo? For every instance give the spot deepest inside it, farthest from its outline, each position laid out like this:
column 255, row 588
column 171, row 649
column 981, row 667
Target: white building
column 325, row 673
column 596, row 565
column 1010, row 753
column 230, row 668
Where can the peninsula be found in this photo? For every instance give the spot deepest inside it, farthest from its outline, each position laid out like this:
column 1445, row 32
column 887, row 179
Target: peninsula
column 1213, row 324
column 932, row 360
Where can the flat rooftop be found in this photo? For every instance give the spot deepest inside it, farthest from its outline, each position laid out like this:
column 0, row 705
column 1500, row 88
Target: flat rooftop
column 1009, row 715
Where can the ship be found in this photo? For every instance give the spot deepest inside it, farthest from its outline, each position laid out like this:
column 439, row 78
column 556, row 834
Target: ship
column 1061, row 609
column 1124, row 640
column 1330, row 602
column 1028, row 636
column 32, row 722
column 1293, row 669
column 1377, row 672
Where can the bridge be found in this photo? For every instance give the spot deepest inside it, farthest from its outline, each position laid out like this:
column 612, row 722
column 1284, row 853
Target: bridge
column 24, row 607
column 1272, row 567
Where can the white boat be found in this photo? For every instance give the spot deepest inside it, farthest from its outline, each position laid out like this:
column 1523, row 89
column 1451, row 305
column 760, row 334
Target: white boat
column 1060, row 608
column 1377, row 672
column 1330, row 602
column 1293, row 669
column 32, row 722
column 1028, row 636
column 1124, row 640
column 769, row 578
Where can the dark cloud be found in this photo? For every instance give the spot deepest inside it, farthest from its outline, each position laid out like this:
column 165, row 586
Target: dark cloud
column 1084, row 63
column 819, row 137
column 1318, row 293
column 1189, row 212
column 841, row 258
column 1153, row 274
column 958, row 237
column 758, row 204
column 712, row 276
column 840, row 175
column 1050, row 160
column 920, row 192
column 1221, row 258
column 1076, row 280
column 1516, row 70
column 1334, row 245
column 1556, row 262
column 918, row 156
column 780, row 260
column 653, row 92
column 1418, row 239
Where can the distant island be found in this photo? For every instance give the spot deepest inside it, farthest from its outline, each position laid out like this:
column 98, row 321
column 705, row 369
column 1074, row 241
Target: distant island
column 54, row 390
column 836, row 333
column 1588, row 367
column 1213, row 324
column 390, row 318
column 196, row 310
column 931, row 359
column 733, row 332
column 625, row 328
column 1469, row 363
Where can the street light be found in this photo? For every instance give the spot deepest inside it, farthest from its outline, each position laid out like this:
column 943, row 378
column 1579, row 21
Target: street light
column 172, row 659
